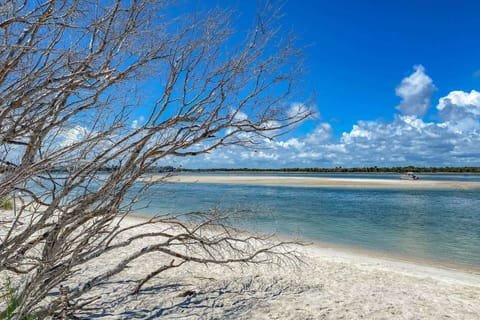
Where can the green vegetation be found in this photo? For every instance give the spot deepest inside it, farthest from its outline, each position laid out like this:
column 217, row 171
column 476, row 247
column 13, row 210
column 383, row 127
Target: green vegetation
column 375, row 169
column 6, row 204
column 12, row 302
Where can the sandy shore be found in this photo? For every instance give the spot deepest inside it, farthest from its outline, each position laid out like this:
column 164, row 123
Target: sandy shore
column 329, row 284
column 319, row 182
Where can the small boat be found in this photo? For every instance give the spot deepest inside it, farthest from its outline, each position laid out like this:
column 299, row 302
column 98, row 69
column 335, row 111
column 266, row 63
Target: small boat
column 409, row 176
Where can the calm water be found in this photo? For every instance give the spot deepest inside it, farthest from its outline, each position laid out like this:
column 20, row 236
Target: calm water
column 434, row 224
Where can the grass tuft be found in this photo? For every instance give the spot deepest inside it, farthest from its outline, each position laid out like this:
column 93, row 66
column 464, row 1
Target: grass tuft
column 6, row 204
column 11, row 302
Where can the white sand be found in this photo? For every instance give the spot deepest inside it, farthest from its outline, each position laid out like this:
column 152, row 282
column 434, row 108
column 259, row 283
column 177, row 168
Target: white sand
column 318, row 181
column 331, row 284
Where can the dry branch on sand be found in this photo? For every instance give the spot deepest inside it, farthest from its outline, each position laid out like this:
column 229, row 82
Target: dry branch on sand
column 71, row 74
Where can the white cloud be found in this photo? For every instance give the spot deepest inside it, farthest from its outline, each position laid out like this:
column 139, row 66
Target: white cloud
column 415, row 91
column 407, row 139
column 137, row 122
column 321, row 134
column 298, row 111
column 459, row 104
column 464, row 126
column 271, row 127
column 291, row 143
column 392, row 143
column 240, row 116
column 73, row 135
column 357, row 132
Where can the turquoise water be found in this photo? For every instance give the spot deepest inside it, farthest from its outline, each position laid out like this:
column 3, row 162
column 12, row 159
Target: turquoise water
column 443, row 225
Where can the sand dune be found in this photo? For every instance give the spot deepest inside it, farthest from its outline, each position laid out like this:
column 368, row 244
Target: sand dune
column 318, row 181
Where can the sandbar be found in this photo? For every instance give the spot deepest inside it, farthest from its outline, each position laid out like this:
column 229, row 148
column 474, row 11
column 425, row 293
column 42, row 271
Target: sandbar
column 262, row 180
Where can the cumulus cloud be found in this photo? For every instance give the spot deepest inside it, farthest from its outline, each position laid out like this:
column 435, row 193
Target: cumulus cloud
column 405, row 140
column 460, row 104
column 415, row 91
column 321, row 134
column 454, row 140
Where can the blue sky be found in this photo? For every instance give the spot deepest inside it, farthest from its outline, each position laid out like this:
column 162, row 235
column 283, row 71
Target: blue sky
column 395, row 84
column 360, row 50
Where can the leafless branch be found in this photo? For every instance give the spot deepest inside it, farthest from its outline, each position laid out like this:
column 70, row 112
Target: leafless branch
column 72, row 74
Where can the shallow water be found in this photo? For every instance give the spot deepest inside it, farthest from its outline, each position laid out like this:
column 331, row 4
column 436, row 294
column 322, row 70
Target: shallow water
column 442, row 225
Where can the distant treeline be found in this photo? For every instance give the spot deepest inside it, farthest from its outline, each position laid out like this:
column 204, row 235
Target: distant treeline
column 347, row 170
column 169, row 169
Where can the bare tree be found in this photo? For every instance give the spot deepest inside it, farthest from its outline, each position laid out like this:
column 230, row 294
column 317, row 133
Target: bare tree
column 72, row 75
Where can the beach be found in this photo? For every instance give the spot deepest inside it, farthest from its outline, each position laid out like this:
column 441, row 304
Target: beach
column 325, row 282
column 262, row 180
column 328, row 283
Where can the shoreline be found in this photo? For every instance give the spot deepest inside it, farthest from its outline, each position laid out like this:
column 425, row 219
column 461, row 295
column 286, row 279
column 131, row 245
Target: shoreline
column 397, row 258
column 326, row 283
column 341, row 250
column 316, row 182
